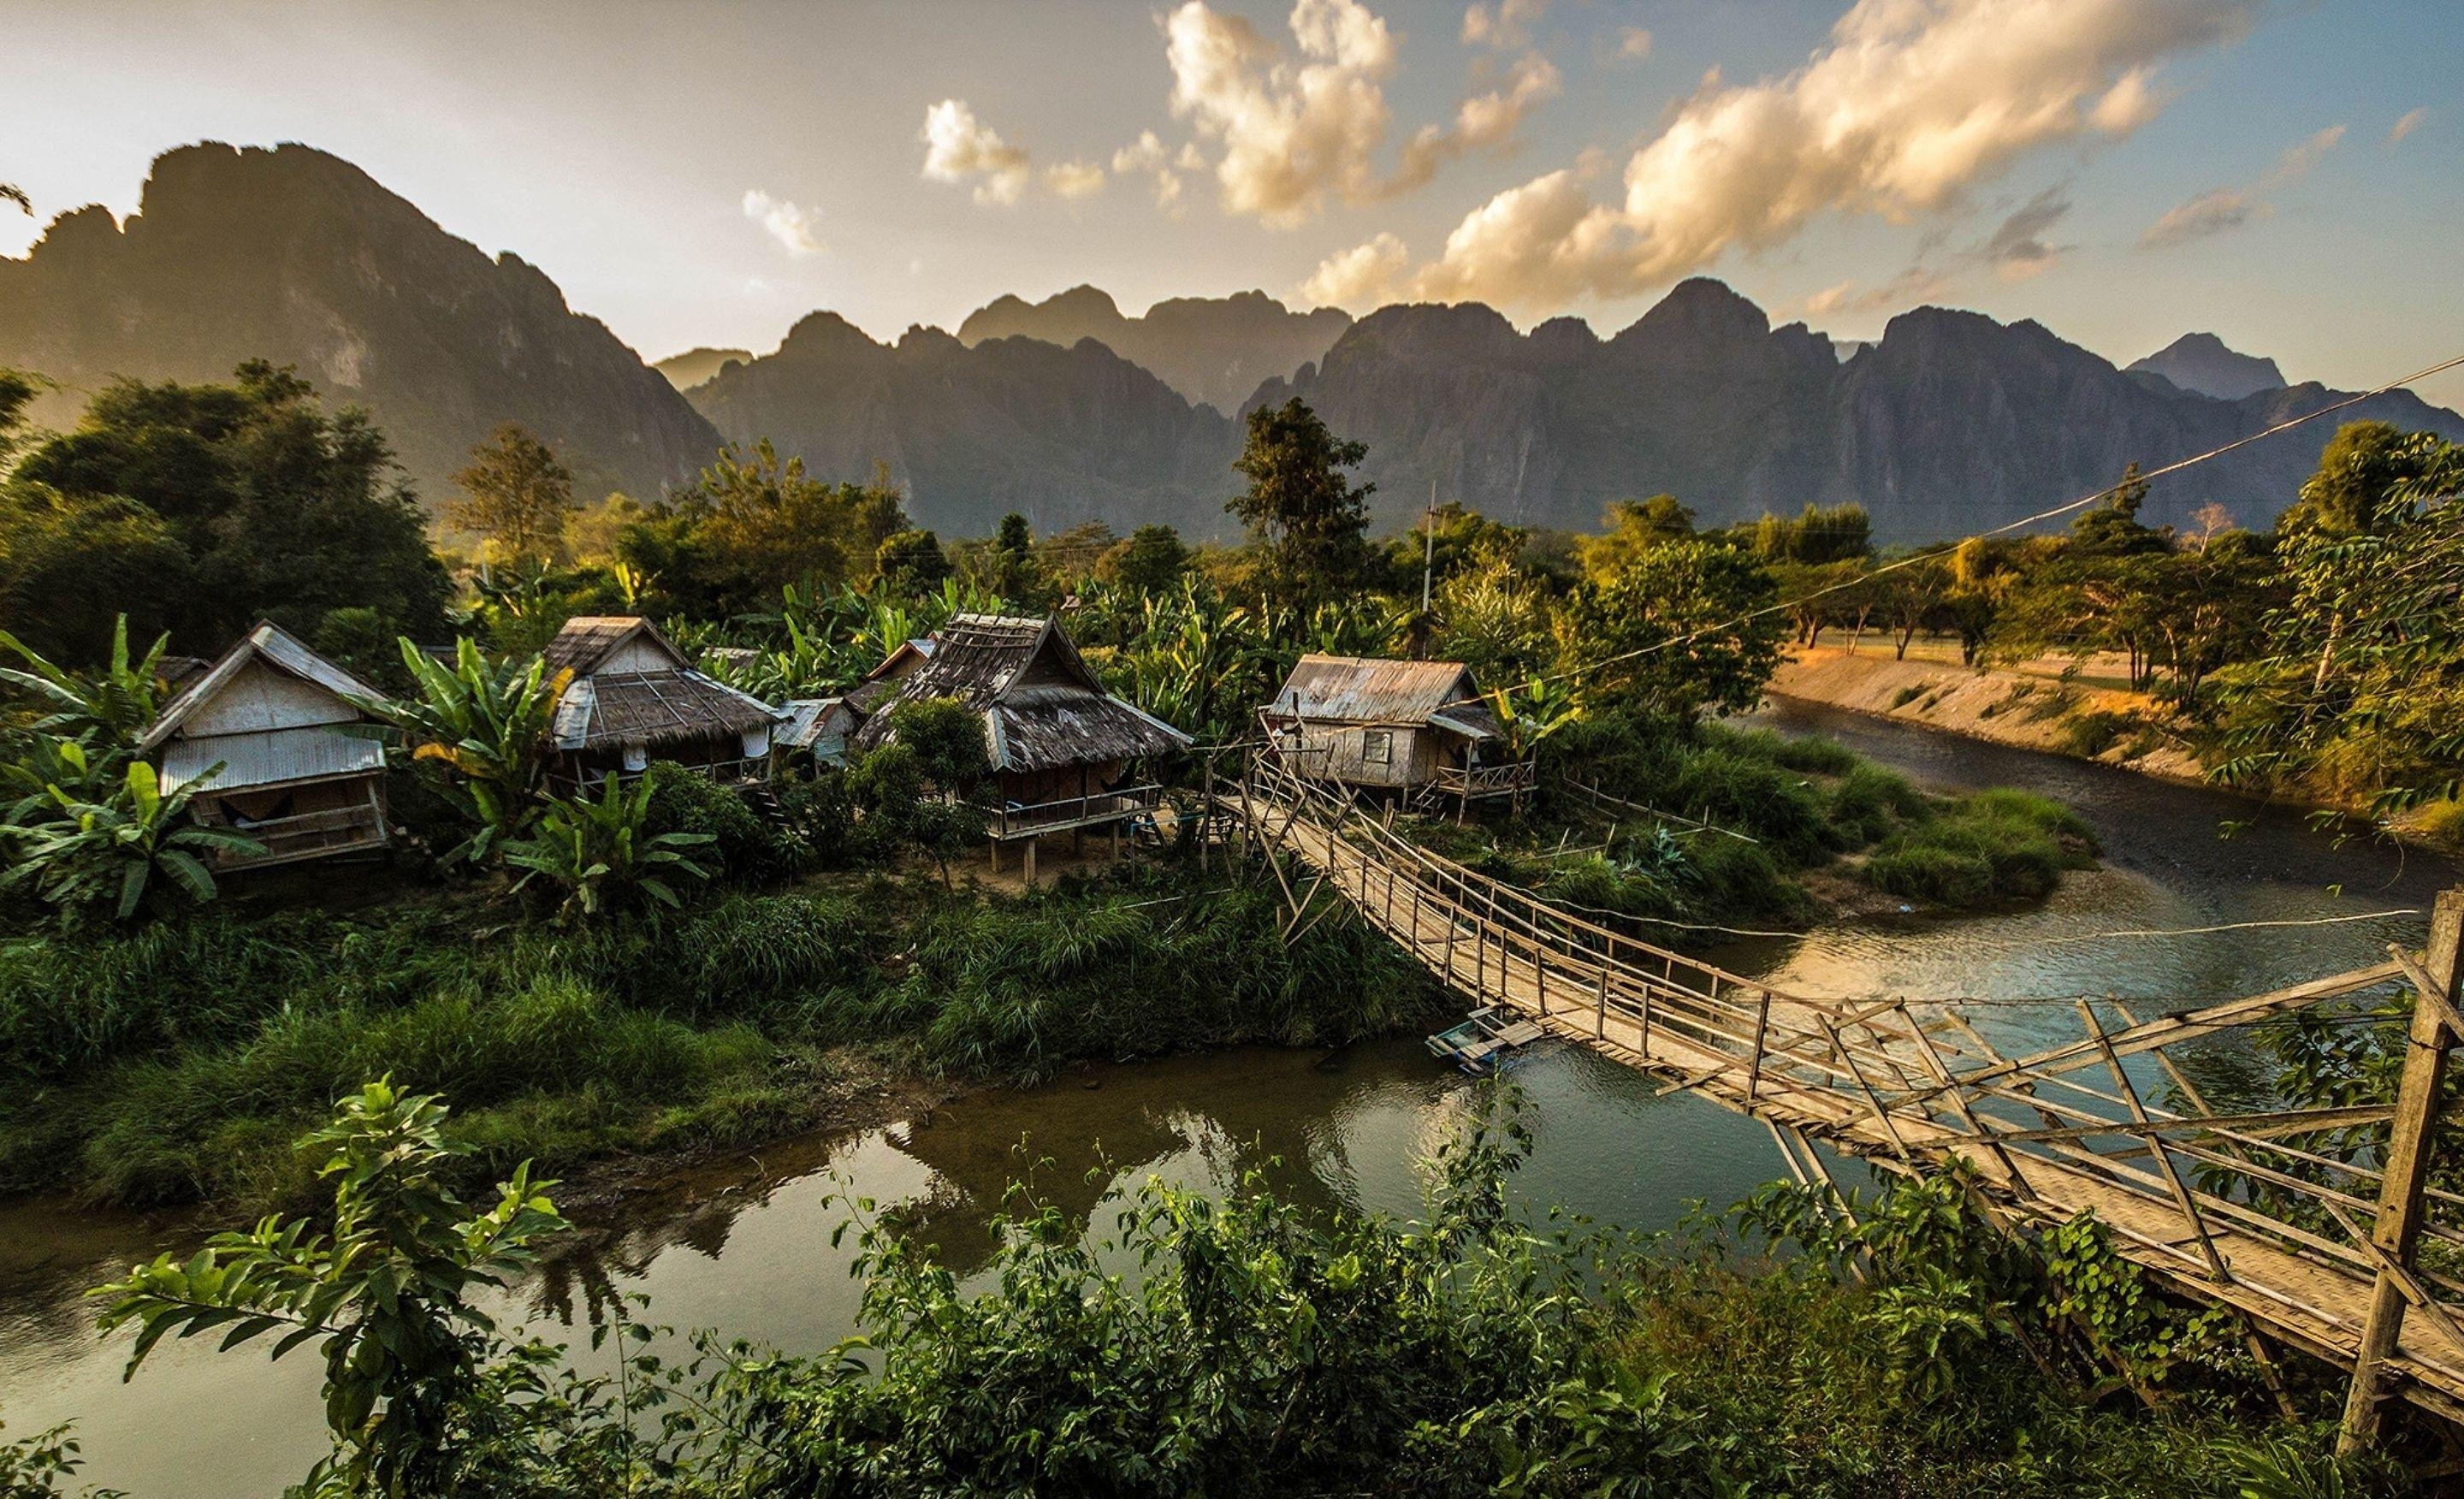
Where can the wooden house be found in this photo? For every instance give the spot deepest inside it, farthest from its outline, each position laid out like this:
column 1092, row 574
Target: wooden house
column 273, row 717
column 1416, row 728
column 815, row 727
column 633, row 698
column 1061, row 747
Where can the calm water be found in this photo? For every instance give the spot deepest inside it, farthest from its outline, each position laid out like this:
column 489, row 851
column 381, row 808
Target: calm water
column 744, row 1247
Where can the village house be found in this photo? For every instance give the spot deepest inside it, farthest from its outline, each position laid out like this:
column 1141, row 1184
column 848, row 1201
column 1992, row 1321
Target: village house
column 266, row 729
column 1061, row 747
column 634, row 698
column 1420, row 729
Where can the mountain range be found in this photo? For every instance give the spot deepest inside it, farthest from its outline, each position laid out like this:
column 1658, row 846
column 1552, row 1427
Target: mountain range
column 297, row 257
column 1069, row 410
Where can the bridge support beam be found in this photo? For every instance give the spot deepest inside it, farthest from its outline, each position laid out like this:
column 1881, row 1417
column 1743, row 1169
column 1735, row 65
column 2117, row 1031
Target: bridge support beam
column 2410, row 1145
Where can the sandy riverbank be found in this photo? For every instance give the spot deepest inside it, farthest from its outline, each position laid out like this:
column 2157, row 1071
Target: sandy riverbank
column 2017, row 707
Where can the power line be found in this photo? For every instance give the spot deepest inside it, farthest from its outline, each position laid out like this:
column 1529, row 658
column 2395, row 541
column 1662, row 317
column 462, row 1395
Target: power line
column 2020, row 524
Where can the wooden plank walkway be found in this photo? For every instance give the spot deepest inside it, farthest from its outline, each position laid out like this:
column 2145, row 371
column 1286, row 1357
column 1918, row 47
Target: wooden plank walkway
column 2046, row 1137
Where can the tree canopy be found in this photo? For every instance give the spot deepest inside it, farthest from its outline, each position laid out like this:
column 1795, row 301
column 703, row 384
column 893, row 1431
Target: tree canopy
column 1305, row 514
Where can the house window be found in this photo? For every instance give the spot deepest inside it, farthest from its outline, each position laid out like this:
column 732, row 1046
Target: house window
column 1378, row 746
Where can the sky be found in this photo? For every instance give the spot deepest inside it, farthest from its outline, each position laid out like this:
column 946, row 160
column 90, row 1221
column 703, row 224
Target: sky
column 2284, row 175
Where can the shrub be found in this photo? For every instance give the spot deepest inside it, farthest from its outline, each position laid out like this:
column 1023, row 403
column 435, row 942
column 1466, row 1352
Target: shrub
column 1869, row 803
column 741, row 844
column 2090, row 735
column 1909, row 695
column 1998, row 845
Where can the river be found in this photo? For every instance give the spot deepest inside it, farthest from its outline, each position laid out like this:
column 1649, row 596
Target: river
column 745, row 1246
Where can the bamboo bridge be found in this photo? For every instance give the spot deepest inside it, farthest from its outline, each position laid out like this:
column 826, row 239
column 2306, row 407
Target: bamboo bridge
column 2326, row 1245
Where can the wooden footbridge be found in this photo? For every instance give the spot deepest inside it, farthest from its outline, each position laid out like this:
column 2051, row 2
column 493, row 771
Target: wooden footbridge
column 2321, row 1226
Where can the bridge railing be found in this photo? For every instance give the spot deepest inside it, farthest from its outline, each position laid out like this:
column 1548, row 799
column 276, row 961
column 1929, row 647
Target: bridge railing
column 2309, row 1186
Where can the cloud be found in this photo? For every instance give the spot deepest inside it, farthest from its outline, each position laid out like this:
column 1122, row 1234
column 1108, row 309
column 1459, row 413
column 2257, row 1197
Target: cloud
column 2017, row 250
column 1145, row 154
column 790, row 226
column 2219, row 209
column 1506, row 24
column 2212, row 212
column 1633, row 44
column 1361, row 276
column 1908, row 105
column 1831, row 299
column 959, row 148
column 1075, row 179
column 1302, row 127
column 2413, row 120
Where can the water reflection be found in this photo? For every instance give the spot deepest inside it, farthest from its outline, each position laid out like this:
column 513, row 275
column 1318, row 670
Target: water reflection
column 745, row 1246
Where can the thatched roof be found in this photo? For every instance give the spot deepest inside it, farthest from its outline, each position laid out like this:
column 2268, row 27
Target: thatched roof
column 1043, row 708
column 615, row 709
column 1369, row 690
column 589, row 639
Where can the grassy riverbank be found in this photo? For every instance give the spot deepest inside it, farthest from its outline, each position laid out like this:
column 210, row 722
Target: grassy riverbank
column 180, row 1062
column 1719, row 826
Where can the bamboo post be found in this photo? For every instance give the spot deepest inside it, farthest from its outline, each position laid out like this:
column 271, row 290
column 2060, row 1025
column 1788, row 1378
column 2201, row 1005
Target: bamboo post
column 2407, row 1171
column 2156, row 1147
column 1754, row 1066
column 1600, row 1026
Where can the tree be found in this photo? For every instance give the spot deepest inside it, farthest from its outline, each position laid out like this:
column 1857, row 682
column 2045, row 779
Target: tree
column 1675, row 631
column 2112, row 529
column 911, row 563
column 1631, row 527
column 2353, row 491
column 1305, row 516
column 206, row 507
column 753, row 524
column 517, row 496
column 1009, row 563
column 386, row 1297
column 1150, row 560
column 921, row 786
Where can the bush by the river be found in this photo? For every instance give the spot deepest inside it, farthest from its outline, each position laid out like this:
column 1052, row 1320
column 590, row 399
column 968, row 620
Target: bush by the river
column 177, row 1062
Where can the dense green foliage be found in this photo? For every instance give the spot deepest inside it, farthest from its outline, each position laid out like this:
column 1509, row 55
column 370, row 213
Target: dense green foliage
column 1256, row 1348
column 198, row 509
column 175, row 1062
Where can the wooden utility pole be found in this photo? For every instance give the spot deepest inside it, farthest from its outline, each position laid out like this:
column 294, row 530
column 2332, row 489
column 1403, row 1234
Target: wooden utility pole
column 1428, row 546
column 2410, row 1145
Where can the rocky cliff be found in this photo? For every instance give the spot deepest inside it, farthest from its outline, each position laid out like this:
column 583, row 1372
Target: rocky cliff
column 1211, row 349
column 296, row 256
column 2200, row 361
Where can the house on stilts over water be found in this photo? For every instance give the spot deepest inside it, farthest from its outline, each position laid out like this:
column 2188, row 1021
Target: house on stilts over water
column 294, row 774
column 1420, row 729
column 1063, row 749
column 633, row 698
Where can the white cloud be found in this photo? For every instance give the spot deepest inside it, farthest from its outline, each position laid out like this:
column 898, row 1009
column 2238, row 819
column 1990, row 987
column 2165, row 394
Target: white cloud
column 2413, row 120
column 2211, row 212
column 1909, row 104
column 790, row 226
column 1295, row 131
column 1075, row 179
column 1831, row 299
column 1481, row 121
column 1634, row 44
column 2218, row 209
column 1145, row 154
column 1505, row 24
column 959, row 148
column 1361, row 276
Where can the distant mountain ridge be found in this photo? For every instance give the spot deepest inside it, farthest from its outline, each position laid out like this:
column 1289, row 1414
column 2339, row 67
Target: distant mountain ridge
column 1211, row 349
column 692, row 366
column 297, row 257
column 2200, row 361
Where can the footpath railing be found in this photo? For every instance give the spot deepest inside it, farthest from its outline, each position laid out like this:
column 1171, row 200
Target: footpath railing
column 2324, row 1225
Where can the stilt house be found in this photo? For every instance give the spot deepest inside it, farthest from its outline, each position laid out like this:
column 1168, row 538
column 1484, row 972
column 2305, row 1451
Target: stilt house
column 1061, row 747
column 273, row 715
column 1419, row 728
column 635, row 699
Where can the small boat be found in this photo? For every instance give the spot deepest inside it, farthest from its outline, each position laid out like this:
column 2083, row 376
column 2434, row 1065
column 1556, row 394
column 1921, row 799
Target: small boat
column 1489, row 1040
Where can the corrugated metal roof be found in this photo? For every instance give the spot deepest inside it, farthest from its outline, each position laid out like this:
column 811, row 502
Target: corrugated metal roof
column 272, row 644
column 1043, row 707
column 1373, row 690
column 813, row 718
column 316, row 752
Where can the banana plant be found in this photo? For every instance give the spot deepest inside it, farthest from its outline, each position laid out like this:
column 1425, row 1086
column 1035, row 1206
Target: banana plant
column 111, row 852
column 602, row 851
column 486, row 726
column 1530, row 712
column 118, row 702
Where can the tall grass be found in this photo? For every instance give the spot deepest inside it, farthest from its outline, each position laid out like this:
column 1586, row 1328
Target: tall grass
column 179, row 1063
